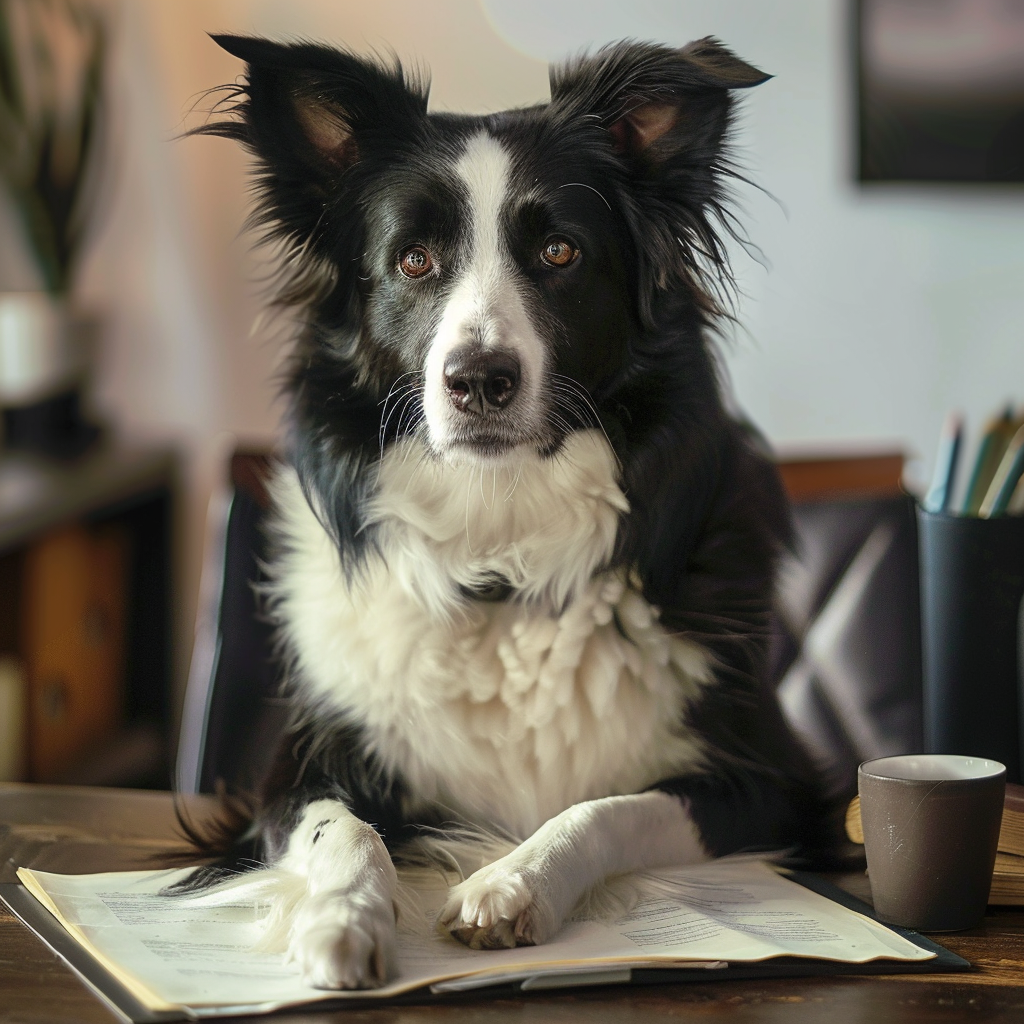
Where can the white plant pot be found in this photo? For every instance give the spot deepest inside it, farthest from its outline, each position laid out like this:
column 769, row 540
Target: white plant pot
column 41, row 353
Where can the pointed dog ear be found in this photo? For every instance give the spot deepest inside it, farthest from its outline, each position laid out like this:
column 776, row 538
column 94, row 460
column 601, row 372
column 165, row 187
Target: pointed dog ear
column 311, row 114
column 667, row 114
column 656, row 102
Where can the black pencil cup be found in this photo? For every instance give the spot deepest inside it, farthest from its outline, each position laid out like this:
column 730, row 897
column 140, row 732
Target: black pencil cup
column 972, row 631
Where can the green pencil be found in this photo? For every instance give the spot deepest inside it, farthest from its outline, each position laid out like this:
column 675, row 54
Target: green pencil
column 994, row 440
column 1006, row 478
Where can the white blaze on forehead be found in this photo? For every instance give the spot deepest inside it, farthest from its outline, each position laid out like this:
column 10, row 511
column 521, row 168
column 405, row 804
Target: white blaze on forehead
column 485, row 305
column 484, row 168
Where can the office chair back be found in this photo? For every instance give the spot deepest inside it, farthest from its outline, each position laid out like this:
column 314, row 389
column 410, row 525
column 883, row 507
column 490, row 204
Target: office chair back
column 233, row 714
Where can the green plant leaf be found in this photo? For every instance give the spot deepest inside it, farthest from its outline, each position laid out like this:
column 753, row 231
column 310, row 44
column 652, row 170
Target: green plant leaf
column 50, row 194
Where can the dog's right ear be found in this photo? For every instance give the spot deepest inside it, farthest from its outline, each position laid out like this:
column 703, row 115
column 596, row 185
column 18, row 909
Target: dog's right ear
column 666, row 114
column 313, row 115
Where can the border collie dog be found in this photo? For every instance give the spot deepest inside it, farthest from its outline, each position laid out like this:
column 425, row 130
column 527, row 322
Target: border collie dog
column 524, row 557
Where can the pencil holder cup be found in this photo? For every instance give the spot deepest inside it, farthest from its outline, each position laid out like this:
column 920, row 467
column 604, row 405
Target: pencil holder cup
column 972, row 618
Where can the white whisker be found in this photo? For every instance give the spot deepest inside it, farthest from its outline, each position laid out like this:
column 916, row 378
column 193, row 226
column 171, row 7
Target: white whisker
column 511, row 490
column 580, row 184
column 398, row 399
column 566, row 385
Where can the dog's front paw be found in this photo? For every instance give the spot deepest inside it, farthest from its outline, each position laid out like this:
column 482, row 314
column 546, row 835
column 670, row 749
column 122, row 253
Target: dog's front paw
column 498, row 907
column 343, row 940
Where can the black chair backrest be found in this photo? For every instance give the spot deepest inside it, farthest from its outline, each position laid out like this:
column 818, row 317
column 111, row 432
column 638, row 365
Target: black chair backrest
column 234, row 714
column 847, row 657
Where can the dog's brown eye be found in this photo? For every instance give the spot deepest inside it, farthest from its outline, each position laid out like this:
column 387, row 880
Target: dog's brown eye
column 415, row 262
column 559, row 253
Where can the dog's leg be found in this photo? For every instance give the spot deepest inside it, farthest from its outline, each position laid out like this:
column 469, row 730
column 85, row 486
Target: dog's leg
column 523, row 898
column 342, row 932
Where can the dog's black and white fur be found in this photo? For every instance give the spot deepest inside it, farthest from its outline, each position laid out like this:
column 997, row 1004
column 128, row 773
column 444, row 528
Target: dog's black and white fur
column 525, row 557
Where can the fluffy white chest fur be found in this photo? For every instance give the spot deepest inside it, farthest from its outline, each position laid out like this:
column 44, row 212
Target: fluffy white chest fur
column 506, row 713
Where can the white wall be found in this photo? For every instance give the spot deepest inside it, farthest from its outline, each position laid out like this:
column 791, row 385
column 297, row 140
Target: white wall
column 882, row 307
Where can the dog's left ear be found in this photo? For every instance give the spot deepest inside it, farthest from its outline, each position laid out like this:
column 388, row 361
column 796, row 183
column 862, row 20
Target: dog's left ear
column 657, row 103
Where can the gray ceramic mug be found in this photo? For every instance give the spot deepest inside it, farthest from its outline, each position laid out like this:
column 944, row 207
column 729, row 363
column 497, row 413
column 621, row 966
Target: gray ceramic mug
column 931, row 827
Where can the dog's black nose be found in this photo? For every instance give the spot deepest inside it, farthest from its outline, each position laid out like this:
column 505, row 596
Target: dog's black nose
column 481, row 381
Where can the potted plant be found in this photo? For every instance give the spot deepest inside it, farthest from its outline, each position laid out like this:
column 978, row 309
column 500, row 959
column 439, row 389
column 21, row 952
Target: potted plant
column 51, row 93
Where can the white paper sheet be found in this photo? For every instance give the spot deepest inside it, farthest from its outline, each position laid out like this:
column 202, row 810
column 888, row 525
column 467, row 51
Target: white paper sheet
column 187, row 953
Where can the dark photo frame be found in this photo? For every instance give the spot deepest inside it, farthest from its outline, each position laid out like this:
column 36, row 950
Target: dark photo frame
column 940, row 90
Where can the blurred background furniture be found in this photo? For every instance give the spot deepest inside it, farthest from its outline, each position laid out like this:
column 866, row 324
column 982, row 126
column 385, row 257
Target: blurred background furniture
column 846, row 652
column 85, row 615
column 232, row 714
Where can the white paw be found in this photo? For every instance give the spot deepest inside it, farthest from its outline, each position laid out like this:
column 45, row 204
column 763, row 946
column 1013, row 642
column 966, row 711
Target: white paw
column 500, row 906
column 343, row 940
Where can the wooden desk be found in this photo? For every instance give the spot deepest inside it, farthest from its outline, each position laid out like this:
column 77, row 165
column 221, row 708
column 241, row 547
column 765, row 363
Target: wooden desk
column 80, row 830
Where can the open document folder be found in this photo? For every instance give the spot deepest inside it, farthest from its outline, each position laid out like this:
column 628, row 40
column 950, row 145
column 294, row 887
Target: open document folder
column 200, row 957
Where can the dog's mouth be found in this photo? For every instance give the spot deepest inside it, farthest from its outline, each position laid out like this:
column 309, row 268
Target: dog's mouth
column 492, row 441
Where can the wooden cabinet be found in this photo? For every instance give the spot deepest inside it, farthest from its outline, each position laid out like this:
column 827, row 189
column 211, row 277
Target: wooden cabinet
column 85, row 599
column 73, row 610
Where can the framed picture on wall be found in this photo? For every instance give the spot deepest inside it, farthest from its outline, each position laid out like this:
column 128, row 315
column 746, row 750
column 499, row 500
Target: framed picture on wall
column 940, row 90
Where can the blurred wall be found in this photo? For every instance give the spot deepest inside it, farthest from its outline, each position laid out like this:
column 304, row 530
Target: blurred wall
column 874, row 311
